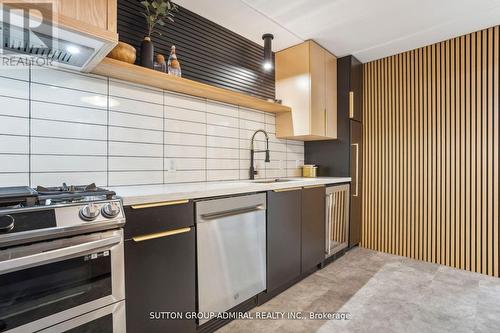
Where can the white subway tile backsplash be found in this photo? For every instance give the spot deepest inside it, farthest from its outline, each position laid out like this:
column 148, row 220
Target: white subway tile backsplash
column 275, row 173
column 144, row 108
column 67, row 163
column 173, row 151
column 220, row 142
column 222, row 109
column 174, row 138
column 227, row 132
column 137, row 92
column 294, row 164
column 14, row 163
column 135, row 164
column 250, row 125
column 185, row 102
column 184, row 126
column 135, row 178
column 184, row 114
column 215, row 119
column 78, row 178
column 14, row 179
column 135, row 135
column 135, row 149
column 270, row 118
column 14, row 125
column 173, row 164
column 49, row 111
column 43, row 146
column 79, row 128
column 14, row 107
column 57, row 129
column 220, row 175
column 270, row 128
column 225, row 153
column 253, row 115
column 14, row 88
column 218, row 164
column 70, row 80
column 294, row 172
column 135, row 121
column 53, row 94
column 14, row 144
column 185, row 176
column 15, row 72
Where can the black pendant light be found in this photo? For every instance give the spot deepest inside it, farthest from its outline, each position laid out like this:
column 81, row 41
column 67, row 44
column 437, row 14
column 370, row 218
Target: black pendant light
column 268, row 52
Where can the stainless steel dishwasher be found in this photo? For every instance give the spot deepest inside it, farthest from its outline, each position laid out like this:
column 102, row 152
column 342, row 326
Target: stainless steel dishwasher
column 231, row 249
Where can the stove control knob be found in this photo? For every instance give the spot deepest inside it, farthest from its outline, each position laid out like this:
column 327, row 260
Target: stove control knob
column 6, row 223
column 89, row 212
column 111, row 210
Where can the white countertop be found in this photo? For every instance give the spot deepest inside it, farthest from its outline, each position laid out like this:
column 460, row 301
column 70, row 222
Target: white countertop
column 142, row 194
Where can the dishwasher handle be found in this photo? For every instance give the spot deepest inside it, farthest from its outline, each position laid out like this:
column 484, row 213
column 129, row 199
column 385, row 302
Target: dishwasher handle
column 232, row 212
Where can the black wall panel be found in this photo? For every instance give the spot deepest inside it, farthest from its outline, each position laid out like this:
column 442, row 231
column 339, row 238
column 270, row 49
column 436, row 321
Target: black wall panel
column 208, row 52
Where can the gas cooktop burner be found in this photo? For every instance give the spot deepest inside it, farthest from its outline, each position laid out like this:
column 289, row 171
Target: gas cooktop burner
column 72, row 193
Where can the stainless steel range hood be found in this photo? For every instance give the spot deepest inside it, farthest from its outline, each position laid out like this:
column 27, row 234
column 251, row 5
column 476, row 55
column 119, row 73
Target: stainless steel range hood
column 58, row 41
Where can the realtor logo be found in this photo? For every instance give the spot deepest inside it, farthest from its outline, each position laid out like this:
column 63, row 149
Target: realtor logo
column 27, row 33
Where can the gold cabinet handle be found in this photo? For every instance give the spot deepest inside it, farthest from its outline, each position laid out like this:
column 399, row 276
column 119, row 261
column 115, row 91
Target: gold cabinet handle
column 288, row 189
column 314, row 186
column 356, row 172
column 351, row 104
column 160, row 204
column 161, row 234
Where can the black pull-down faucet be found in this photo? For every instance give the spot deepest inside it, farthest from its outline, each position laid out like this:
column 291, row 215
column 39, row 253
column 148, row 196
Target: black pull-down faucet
column 253, row 172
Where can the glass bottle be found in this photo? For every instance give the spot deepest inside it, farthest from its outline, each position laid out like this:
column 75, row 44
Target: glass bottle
column 174, row 67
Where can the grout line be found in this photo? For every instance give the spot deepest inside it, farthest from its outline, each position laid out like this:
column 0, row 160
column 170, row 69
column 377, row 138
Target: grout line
column 29, row 126
column 107, row 133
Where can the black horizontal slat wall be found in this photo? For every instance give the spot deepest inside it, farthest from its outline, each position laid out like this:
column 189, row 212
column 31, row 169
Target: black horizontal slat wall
column 208, row 52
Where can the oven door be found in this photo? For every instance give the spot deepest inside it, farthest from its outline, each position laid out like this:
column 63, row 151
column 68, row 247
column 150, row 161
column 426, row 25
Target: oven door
column 109, row 319
column 47, row 283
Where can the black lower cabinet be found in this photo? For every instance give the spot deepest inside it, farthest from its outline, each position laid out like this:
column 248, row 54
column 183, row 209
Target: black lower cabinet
column 160, row 269
column 283, row 238
column 160, row 276
column 313, row 227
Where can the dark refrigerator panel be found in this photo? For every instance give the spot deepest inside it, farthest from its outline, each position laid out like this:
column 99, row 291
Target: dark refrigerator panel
column 356, row 182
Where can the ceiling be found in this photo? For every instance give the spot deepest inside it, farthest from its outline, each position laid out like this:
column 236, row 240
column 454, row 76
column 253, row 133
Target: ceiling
column 367, row 29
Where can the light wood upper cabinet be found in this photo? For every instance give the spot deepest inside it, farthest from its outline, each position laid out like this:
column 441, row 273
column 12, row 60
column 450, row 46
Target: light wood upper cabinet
column 306, row 80
column 98, row 13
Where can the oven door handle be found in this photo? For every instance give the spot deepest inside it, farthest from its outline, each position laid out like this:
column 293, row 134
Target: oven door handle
column 47, row 257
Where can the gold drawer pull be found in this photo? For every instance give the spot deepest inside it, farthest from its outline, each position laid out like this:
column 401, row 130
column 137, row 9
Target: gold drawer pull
column 160, row 204
column 351, row 104
column 314, row 186
column 161, row 234
column 288, row 189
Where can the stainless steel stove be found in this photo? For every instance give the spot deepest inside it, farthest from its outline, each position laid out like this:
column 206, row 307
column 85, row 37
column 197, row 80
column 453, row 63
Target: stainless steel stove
column 61, row 259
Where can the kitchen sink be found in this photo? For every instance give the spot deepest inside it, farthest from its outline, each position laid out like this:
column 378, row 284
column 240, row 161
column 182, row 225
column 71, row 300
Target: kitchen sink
column 270, row 181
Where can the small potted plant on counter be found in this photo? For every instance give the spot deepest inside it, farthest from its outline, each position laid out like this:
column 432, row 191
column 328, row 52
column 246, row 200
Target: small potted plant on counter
column 156, row 12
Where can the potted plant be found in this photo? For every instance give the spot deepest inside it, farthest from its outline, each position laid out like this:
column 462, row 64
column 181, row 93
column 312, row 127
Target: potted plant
column 156, row 12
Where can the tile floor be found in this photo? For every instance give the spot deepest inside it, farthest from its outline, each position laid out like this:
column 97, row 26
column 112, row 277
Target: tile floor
column 385, row 293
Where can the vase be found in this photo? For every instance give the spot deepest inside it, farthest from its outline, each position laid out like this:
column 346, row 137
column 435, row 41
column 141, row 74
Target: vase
column 147, row 53
column 123, row 52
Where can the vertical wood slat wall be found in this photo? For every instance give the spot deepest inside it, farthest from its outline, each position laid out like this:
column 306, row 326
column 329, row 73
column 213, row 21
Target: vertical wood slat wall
column 431, row 132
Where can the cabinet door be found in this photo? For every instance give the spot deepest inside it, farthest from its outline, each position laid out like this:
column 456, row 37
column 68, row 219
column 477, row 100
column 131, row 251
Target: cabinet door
column 98, row 13
column 160, row 276
column 283, row 237
column 313, row 227
column 356, row 176
column 318, row 90
column 331, row 95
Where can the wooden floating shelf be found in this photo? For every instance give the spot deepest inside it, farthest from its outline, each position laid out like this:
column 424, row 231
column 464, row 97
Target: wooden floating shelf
column 137, row 74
